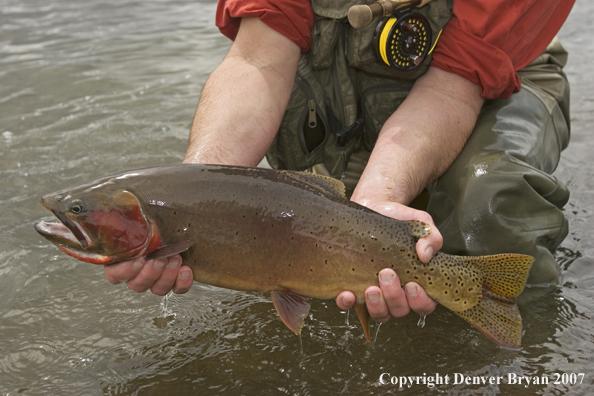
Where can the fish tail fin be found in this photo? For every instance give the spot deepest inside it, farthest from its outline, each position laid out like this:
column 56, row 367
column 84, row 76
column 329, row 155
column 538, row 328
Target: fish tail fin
column 505, row 274
column 497, row 314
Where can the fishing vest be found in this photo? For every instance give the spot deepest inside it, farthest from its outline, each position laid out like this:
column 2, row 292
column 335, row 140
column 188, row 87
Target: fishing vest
column 343, row 92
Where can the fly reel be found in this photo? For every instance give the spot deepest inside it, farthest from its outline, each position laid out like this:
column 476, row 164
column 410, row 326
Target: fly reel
column 403, row 40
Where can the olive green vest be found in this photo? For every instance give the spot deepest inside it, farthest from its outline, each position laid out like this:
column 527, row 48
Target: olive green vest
column 343, row 93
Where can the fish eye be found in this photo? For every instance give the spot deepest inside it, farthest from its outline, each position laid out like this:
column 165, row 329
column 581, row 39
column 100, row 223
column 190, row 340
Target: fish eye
column 77, row 206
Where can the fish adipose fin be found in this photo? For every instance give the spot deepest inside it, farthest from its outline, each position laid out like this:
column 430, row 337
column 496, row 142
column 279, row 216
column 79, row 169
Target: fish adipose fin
column 363, row 315
column 292, row 308
column 497, row 314
column 169, row 250
column 418, row 229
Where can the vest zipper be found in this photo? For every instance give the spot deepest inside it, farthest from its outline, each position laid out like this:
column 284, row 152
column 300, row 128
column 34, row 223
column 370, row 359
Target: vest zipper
column 312, row 119
column 313, row 110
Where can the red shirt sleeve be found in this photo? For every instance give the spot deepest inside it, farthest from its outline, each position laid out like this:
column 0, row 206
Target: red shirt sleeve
column 487, row 41
column 292, row 18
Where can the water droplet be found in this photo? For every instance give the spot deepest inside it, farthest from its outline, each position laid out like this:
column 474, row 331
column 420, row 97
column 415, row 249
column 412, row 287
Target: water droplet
column 421, row 322
column 377, row 328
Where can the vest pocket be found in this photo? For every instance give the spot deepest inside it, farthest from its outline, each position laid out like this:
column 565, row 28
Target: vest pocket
column 312, row 122
column 304, row 129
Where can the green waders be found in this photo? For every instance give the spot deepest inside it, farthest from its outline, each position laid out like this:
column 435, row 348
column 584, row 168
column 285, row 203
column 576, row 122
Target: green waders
column 499, row 194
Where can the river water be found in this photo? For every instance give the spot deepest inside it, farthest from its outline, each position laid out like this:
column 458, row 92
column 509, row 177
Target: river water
column 90, row 88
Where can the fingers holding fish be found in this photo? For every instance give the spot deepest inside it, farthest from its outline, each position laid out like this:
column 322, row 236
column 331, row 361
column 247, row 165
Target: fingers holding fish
column 122, row 272
column 184, row 280
column 376, row 305
column 146, row 278
column 346, row 300
column 418, row 300
column 428, row 245
column 393, row 295
column 169, row 276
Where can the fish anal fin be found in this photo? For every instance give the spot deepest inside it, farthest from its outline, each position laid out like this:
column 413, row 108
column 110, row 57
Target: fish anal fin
column 496, row 317
column 169, row 250
column 292, row 308
column 418, row 229
column 363, row 315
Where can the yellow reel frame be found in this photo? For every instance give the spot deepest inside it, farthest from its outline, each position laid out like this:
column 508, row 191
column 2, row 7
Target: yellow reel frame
column 403, row 40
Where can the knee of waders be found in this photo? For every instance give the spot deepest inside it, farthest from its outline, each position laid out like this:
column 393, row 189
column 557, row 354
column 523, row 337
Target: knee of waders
column 496, row 204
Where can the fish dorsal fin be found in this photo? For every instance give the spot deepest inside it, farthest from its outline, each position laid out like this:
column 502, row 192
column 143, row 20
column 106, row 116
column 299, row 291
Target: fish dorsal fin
column 363, row 315
column 169, row 250
column 418, row 229
column 325, row 183
column 292, row 308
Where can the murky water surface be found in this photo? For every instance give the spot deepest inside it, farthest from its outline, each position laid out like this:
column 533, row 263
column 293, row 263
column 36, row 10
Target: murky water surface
column 89, row 88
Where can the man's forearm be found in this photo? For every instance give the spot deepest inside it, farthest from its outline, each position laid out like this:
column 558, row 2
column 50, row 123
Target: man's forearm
column 244, row 99
column 421, row 139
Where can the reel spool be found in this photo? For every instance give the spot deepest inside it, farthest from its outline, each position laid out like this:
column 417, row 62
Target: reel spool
column 403, row 40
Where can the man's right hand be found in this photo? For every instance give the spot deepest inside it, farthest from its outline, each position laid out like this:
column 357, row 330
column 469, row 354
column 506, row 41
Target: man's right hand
column 160, row 275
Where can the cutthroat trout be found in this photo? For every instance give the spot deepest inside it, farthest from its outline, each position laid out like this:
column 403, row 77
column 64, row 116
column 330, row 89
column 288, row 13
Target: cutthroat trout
column 292, row 234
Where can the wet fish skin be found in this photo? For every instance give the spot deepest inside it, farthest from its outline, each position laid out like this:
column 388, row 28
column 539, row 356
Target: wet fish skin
column 289, row 233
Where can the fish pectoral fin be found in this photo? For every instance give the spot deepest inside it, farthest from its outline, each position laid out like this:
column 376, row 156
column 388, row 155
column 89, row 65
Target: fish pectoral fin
column 418, row 229
column 498, row 318
column 169, row 250
column 363, row 315
column 292, row 308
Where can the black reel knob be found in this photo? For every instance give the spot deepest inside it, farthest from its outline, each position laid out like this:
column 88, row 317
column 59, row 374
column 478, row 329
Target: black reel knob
column 403, row 41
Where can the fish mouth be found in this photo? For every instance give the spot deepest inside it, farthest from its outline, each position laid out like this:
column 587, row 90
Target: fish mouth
column 57, row 233
column 66, row 233
column 70, row 239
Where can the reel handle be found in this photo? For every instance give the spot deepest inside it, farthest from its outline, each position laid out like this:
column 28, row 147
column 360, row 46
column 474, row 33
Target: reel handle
column 361, row 15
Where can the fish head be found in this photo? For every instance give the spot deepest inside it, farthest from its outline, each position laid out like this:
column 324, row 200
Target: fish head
column 100, row 223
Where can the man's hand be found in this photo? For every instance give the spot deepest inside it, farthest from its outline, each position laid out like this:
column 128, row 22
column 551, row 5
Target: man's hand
column 390, row 299
column 160, row 276
column 415, row 146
